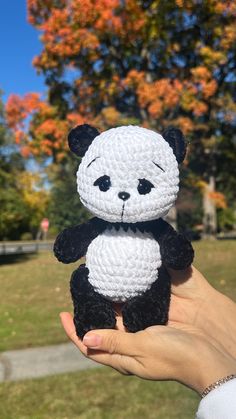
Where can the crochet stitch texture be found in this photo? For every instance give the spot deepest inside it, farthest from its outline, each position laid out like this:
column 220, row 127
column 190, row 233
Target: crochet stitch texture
column 123, row 264
column 128, row 178
column 127, row 154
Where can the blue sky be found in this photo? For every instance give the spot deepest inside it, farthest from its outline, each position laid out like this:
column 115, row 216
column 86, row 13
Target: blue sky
column 19, row 43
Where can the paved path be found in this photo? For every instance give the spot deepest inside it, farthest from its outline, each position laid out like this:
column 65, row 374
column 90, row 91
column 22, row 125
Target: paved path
column 40, row 362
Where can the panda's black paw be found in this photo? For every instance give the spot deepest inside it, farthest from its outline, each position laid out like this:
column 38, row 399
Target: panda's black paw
column 64, row 248
column 89, row 317
column 140, row 313
column 134, row 315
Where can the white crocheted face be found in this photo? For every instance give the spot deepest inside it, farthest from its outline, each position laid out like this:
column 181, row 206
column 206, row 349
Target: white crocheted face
column 128, row 174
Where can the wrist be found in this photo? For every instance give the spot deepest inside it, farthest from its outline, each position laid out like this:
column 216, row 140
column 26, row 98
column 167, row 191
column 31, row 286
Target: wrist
column 212, row 366
column 217, row 384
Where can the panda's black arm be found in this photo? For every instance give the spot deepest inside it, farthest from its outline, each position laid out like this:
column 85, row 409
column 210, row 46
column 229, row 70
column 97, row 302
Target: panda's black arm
column 176, row 251
column 72, row 243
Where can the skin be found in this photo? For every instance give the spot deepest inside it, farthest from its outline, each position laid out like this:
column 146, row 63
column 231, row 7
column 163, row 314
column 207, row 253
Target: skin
column 196, row 348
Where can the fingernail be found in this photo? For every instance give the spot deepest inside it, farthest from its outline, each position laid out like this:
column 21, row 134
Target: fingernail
column 92, row 341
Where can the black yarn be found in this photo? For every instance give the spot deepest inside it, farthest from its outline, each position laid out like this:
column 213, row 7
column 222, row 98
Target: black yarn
column 176, row 251
column 80, row 138
column 150, row 308
column 72, row 243
column 91, row 310
column 177, row 142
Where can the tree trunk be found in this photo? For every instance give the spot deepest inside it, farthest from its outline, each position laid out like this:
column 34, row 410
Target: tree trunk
column 209, row 210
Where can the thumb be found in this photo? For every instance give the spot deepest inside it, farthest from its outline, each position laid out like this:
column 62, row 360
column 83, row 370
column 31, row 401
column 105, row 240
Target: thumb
column 112, row 341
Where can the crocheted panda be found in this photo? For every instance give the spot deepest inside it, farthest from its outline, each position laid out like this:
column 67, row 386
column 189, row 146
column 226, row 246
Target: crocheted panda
column 128, row 178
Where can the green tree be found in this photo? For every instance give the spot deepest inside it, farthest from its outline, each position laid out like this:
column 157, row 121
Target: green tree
column 22, row 202
column 13, row 220
column 65, row 208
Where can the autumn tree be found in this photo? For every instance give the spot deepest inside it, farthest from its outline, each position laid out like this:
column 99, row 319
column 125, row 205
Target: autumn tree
column 149, row 62
column 22, row 201
column 12, row 208
column 35, row 197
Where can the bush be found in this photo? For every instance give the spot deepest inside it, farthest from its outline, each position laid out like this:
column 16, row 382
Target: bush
column 26, row 236
column 226, row 219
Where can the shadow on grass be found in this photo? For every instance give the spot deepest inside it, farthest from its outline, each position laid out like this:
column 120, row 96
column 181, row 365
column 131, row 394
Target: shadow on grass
column 16, row 258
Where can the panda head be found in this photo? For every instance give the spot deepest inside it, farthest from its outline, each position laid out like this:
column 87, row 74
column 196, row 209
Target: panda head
column 127, row 174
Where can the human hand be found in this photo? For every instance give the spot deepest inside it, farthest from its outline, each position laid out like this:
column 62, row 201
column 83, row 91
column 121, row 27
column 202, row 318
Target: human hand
column 177, row 352
column 196, row 348
column 195, row 302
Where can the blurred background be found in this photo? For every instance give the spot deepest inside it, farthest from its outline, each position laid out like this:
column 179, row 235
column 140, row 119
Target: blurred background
column 107, row 63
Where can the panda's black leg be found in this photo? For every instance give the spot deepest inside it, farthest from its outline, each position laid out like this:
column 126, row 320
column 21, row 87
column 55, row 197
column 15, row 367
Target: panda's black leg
column 151, row 308
column 91, row 310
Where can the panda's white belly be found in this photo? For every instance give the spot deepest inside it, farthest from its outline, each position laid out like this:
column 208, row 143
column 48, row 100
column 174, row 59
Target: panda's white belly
column 123, row 264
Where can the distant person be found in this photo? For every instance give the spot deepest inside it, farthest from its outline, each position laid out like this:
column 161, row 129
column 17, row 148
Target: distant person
column 197, row 348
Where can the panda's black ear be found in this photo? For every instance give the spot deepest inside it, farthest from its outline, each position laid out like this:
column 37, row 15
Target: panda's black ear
column 80, row 138
column 176, row 140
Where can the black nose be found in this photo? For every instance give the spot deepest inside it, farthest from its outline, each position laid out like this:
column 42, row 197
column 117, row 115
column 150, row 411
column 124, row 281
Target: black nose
column 124, row 195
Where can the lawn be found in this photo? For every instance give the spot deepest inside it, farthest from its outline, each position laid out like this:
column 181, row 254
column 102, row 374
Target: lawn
column 216, row 260
column 34, row 290
column 96, row 394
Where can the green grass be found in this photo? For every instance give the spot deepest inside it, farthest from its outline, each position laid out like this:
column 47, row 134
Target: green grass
column 34, row 290
column 96, row 394
column 216, row 259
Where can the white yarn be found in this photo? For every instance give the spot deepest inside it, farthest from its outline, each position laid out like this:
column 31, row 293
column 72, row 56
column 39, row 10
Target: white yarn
column 127, row 154
column 123, row 264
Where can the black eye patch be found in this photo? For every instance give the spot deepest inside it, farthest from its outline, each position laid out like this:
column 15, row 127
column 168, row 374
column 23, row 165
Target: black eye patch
column 103, row 182
column 144, row 186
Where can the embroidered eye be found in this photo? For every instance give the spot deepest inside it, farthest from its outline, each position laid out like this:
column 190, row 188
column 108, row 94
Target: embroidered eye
column 144, row 186
column 103, row 182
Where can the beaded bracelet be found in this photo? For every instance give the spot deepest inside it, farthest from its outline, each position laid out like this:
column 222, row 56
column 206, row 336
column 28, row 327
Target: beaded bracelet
column 217, row 384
